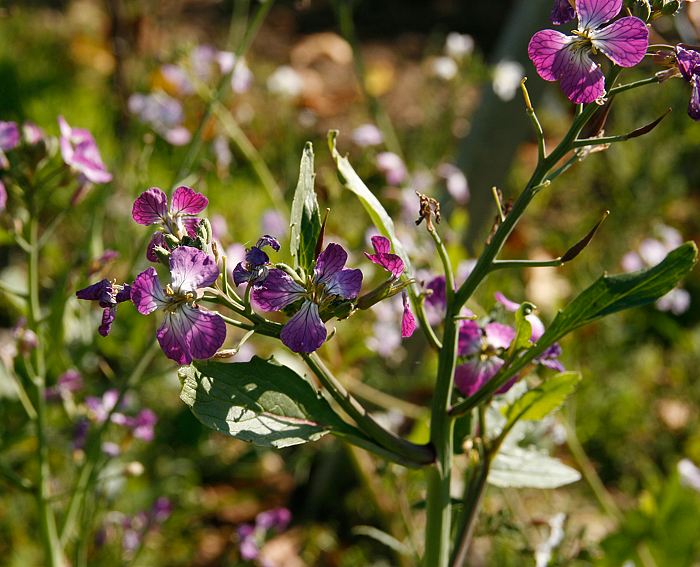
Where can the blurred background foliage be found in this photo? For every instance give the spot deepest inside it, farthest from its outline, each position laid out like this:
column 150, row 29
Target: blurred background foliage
column 636, row 413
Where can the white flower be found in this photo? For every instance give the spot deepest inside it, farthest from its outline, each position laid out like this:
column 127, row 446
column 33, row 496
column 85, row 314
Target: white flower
column 285, row 81
column 444, row 68
column 506, row 79
column 458, row 45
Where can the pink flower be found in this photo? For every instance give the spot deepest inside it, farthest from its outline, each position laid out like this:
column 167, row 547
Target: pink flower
column 565, row 58
column 79, row 151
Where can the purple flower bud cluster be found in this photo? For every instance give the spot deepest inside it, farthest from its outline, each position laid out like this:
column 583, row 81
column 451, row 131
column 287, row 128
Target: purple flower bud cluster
column 482, row 344
column 130, row 531
column 252, row 537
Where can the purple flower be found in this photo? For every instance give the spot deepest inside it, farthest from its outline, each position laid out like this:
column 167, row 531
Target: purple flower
column 161, row 509
column 142, row 425
column 367, row 135
column 32, row 133
column 69, row 382
column 689, row 66
column 254, row 267
column 392, row 166
column 162, row 113
column 252, row 536
column 108, row 294
column 151, row 207
column 562, row 12
column 100, row 408
column 305, row 331
column 188, row 332
column 79, row 151
column 3, row 197
column 534, row 320
column 384, row 258
column 563, row 58
column 9, row 139
column 408, row 321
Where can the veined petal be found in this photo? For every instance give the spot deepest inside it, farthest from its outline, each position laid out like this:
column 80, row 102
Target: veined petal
column 470, row 377
column 190, row 334
column 305, row 332
column 147, row 293
column 688, row 60
column 390, row 262
column 191, row 224
column 277, row 291
column 594, row 13
column 625, row 41
column 694, row 103
column 381, row 244
column 187, row 201
column 329, row 262
column 192, row 269
column 544, row 49
column 579, row 77
column 345, row 283
column 150, row 207
column 408, row 321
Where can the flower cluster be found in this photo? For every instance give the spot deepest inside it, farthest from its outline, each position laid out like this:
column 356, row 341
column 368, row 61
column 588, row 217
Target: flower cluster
column 482, row 345
column 566, row 58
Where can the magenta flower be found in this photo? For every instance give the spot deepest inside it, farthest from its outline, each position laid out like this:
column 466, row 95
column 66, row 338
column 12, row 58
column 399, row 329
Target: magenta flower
column 383, row 256
column 254, row 267
column 392, row 166
column 3, row 197
column 9, row 140
column 408, row 321
column 689, row 66
column 151, row 207
column 562, row 12
column 188, row 332
column 79, row 151
column 305, row 331
column 108, row 294
column 566, row 58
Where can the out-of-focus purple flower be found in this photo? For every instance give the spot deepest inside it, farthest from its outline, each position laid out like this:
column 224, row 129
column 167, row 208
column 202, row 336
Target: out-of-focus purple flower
column 101, row 408
column 438, row 288
column 105, row 258
column 254, row 268
column 68, row 383
column 558, row 57
column 26, row 339
column 367, row 135
column 162, row 509
column 3, row 196
column 305, row 331
column 459, row 45
column 79, row 151
column 689, row 66
column 143, row 424
column 677, row 301
column 689, row 474
column 9, row 139
column 274, row 519
column 177, row 78
column 534, row 320
column 163, row 113
column 80, row 431
column 273, row 223
column 219, row 226
column 180, row 219
column 455, row 181
column 383, row 256
column 222, row 154
column 107, row 294
column 111, row 449
column 188, row 332
column 253, row 536
column 473, row 374
column 562, row 12
column 550, row 358
column 285, row 82
column 32, row 133
column 392, row 167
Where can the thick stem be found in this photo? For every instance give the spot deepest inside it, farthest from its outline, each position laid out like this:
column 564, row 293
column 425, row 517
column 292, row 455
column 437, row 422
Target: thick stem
column 439, row 476
column 49, row 534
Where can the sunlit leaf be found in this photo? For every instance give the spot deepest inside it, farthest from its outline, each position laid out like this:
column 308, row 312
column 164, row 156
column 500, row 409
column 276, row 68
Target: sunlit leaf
column 514, row 467
column 306, row 218
column 538, row 402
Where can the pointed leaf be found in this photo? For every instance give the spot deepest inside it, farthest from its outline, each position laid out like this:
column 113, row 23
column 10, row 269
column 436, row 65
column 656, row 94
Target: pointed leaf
column 538, row 402
column 610, row 294
column 515, row 467
column 259, row 401
column 305, row 225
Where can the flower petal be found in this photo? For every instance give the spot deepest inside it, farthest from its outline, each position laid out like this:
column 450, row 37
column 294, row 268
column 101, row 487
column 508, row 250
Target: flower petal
column 150, row 207
column 507, row 303
column 562, row 12
column 191, row 224
column 381, row 244
column 277, row 291
column 100, row 291
column 124, row 294
column 469, row 340
column 190, row 334
column 305, row 332
column 470, row 377
column 329, row 262
column 688, row 61
column 9, row 136
column 438, row 287
column 345, row 283
column 390, row 262
column 537, row 327
column 579, row 77
column 408, row 321
column 156, row 240
column 147, row 293
column 499, row 335
column 694, row 103
column 544, row 49
column 625, row 41
column 107, row 319
column 187, row 201
column 267, row 240
column 192, row 269
column 593, row 13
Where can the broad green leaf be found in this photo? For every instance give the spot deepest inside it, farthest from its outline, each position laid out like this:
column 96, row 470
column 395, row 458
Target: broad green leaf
column 258, row 401
column 610, row 294
column 515, row 467
column 374, row 208
column 538, row 402
column 306, row 218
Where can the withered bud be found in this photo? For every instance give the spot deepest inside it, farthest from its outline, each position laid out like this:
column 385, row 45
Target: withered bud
column 428, row 208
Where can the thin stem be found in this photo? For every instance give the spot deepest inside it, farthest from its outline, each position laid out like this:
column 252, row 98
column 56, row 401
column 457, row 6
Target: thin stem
column 629, row 86
column 539, row 133
column 446, row 264
column 507, row 264
column 428, row 331
column 418, row 454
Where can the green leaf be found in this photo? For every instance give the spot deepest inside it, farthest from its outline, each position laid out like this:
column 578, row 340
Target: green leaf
column 306, row 218
column 515, row 467
column 374, row 208
column 538, row 402
column 523, row 328
column 261, row 402
column 610, row 294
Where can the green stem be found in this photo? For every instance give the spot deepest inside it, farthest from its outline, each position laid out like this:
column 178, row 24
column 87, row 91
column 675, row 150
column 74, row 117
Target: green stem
column 53, row 552
column 418, row 454
column 505, row 264
column 629, row 86
column 428, row 331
